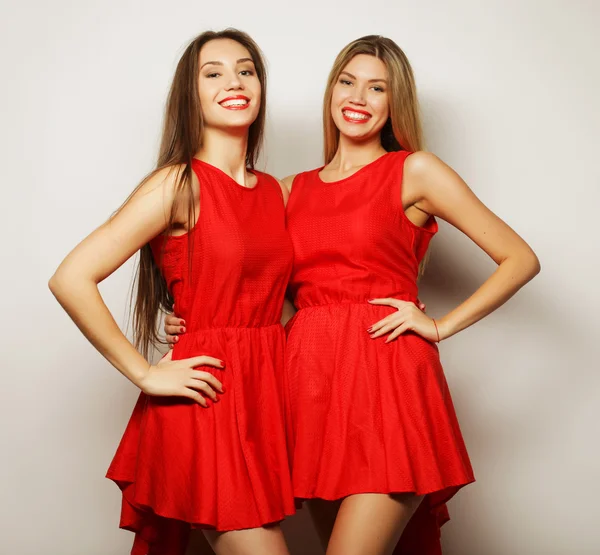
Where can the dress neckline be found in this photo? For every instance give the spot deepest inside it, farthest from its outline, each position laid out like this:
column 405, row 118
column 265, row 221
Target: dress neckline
column 358, row 171
column 220, row 171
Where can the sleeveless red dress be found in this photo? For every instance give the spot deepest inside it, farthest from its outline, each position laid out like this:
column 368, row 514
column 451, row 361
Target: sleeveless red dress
column 365, row 416
column 182, row 466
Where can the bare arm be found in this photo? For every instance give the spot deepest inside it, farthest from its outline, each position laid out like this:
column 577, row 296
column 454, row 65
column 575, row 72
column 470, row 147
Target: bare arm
column 434, row 188
column 75, row 282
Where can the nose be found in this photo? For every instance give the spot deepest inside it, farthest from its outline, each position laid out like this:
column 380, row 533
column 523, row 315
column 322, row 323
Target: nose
column 358, row 96
column 234, row 83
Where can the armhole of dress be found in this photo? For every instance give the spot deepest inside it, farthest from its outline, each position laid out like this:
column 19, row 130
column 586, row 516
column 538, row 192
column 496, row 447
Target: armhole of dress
column 193, row 228
column 183, row 240
column 431, row 226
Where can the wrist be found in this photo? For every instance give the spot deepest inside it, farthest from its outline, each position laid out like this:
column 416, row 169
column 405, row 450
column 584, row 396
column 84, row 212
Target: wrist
column 138, row 376
column 444, row 328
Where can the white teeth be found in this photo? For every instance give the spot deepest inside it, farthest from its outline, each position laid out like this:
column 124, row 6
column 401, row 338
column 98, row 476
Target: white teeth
column 354, row 115
column 234, row 102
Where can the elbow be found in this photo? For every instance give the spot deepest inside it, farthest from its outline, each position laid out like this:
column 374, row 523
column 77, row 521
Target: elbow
column 532, row 263
column 69, row 283
column 60, row 283
column 56, row 283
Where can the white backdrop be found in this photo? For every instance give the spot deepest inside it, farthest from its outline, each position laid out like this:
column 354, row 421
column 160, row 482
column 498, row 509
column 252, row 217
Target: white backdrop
column 509, row 92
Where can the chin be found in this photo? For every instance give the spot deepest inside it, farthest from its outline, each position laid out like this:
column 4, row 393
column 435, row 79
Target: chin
column 234, row 123
column 357, row 134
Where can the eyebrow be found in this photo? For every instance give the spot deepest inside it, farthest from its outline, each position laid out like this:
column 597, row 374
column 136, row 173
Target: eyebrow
column 240, row 61
column 370, row 80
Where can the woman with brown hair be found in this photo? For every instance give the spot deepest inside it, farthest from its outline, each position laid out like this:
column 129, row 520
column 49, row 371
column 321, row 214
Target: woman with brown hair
column 205, row 447
column 370, row 420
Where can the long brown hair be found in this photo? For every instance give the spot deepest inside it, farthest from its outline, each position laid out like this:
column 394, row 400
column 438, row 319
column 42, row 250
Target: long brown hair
column 402, row 131
column 181, row 138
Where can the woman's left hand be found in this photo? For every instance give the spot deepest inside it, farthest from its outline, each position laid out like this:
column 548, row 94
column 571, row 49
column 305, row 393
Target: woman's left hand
column 408, row 317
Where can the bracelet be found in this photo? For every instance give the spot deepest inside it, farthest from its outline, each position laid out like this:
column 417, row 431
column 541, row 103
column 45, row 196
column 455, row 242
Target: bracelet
column 436, row 330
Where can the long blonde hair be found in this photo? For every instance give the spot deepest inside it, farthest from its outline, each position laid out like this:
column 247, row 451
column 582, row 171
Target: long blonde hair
column 182, row 135
column 402, row 131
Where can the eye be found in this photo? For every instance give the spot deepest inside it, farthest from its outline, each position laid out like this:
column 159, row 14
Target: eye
column 345, row 82
column 377, row 88
column 247, row 72
column 212, row 75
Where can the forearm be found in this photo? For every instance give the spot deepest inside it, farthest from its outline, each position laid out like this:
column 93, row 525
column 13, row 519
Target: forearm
column 83, row 303
column 512, row 274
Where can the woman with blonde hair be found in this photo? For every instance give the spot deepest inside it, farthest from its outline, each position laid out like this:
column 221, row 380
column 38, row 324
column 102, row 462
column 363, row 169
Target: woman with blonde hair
column 203, row 449
column 371, row 425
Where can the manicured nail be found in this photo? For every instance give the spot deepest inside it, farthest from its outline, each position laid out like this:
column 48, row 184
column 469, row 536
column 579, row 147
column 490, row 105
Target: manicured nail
column 222, row 363
column 369, row 330
column 182, row 322
column 217, row 399
column 222, row 389
column 176, row 339
column 182, row 330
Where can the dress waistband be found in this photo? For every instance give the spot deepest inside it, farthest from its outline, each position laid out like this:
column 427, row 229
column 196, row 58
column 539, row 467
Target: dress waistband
column 407, row 297
column 232, row 328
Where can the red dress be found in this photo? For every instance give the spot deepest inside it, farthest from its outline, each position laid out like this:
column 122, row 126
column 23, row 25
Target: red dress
column 179, row 465
column 364, row 416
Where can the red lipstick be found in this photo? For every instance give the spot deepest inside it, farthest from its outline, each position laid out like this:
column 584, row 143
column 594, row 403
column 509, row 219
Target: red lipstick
column 235, row 106
column 350, row 119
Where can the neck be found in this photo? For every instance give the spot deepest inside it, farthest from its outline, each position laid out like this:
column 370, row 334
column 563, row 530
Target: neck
column 226, row 150
column 351, row 153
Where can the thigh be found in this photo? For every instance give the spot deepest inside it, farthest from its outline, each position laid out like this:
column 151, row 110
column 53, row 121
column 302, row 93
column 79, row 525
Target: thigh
column 371, row 523
column 268, row 540
column 323, row 514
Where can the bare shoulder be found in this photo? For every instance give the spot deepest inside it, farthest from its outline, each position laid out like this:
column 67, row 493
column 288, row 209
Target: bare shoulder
column 165, row 180
column 425, row 173
column 163, row 187
column 422, row 165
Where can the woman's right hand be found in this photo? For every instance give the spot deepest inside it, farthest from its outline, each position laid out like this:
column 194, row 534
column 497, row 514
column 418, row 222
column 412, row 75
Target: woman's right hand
column 179, row 378
column 173, row 327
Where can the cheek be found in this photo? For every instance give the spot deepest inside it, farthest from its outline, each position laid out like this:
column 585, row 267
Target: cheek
column 336, row 104
column 258, row 93
column 204, row 94
column 338, row 97
column 382, row 106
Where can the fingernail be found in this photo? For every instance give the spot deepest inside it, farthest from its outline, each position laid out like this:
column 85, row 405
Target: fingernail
column 182, row 330
column 217, row 399
column 208, row 404
column 369, row 330
column 222, row 389
column 182, row 322
column 176, row 339
column 222, row 363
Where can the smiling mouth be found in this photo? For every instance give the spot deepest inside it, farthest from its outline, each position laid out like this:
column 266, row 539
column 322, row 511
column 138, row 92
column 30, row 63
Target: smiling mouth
column 235, row 103
column 355, row 116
